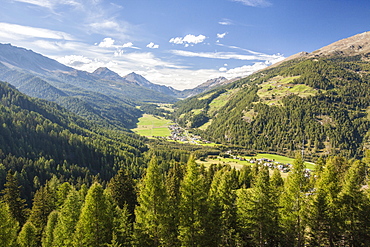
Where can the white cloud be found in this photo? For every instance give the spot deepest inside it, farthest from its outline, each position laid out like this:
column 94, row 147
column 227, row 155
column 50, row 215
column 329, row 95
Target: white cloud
column 221, row 35
column 128, row 45
column 108, row 24
column 226, row 55
column 107, row 42
column 18, row 32
column 50, row 4
column 188, row 39
column 225, row 22
column 74, row 60
column 222, row 69
column 152, row 45
column 254, row 3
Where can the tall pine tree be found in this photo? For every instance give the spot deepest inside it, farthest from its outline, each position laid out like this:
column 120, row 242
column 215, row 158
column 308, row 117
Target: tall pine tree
column 8, row 226
column 11, row 195
column 151, row 216
column 193, row 207
column 95, row 225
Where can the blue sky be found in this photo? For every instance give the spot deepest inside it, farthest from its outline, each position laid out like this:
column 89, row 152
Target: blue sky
column 178, row 43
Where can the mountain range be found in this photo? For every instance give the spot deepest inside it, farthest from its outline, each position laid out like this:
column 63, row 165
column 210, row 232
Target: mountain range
column 102, row 96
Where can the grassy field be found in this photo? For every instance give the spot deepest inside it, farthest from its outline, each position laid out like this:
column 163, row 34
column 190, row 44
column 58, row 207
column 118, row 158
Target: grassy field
column 150, row 126
column 238, row 164
column 274, row 89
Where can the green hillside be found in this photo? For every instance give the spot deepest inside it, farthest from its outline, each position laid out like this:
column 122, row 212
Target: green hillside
column 39, row 139
column 316, row 104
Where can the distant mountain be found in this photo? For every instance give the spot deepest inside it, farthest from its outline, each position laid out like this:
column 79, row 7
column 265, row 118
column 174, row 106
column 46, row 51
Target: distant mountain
column 20, row 58
column 101, row 95
column 208, row 85
column 141, row 81
column 318, row 103
column 107, row 74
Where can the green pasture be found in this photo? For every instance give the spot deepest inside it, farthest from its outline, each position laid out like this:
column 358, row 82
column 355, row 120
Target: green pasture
column 233, row 162
column 150, row 125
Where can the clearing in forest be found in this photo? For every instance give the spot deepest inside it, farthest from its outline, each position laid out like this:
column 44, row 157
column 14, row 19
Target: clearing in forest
column 150, row 125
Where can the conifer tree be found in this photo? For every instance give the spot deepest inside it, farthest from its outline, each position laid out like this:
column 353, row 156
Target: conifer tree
column 94, row 227
column 8, row 226
column 48, row 235
column 62, row 193
column 221, row 218
column 28, row 236
column 122, row 228
column 193, row 207
column 173, row 181
column 123, row 191
column 355, row 207
column 43, row 205
column 323, row 210
column 67, row 219
column 292, row 203
column 245, row 177
column 258, row 212
column 11, row 195
column 151, row 211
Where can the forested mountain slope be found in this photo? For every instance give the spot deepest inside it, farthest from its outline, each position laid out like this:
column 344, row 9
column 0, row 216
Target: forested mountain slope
column 39, row 139
column 316, row 103
column 107, row 101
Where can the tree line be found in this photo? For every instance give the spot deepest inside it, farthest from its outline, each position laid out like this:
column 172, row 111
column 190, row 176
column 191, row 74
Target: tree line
column 189, row 205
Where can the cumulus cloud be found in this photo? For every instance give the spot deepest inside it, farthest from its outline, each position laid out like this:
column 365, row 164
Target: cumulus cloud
column 152, row 45
column 254, row 3
column 188, row 39
column 221, row 35
column 128, row 45
column 107, row 42
column 222, row 69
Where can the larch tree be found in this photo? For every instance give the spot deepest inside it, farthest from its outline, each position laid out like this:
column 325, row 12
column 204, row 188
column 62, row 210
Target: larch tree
column 28, row 236
column 323, row 214
column 95, row 224
column 292, row 203
column 193, row 207
column 355, row 206
column 67, row 219
column 151, row 216
column 8, row 226
column 48, row 234
column 221, row 218
column 258, row 212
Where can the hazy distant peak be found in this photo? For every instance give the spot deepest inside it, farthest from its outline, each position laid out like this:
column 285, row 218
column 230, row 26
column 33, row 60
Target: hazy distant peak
column 21, row 58
column 105, row 73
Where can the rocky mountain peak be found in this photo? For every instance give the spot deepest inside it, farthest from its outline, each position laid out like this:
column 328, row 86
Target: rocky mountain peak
column 356, row 45
column 105, row 73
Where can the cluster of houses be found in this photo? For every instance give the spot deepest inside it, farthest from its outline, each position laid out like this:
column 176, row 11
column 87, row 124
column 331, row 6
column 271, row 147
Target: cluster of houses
column 272, row 164
column 178, row 134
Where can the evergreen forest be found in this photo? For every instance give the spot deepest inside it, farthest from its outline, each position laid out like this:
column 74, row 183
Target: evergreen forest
column 68, row 180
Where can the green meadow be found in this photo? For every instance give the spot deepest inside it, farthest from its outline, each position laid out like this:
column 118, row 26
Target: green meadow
column 150, row 125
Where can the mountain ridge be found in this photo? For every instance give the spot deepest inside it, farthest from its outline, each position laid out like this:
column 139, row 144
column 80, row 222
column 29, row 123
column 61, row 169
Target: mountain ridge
column 318, row 102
